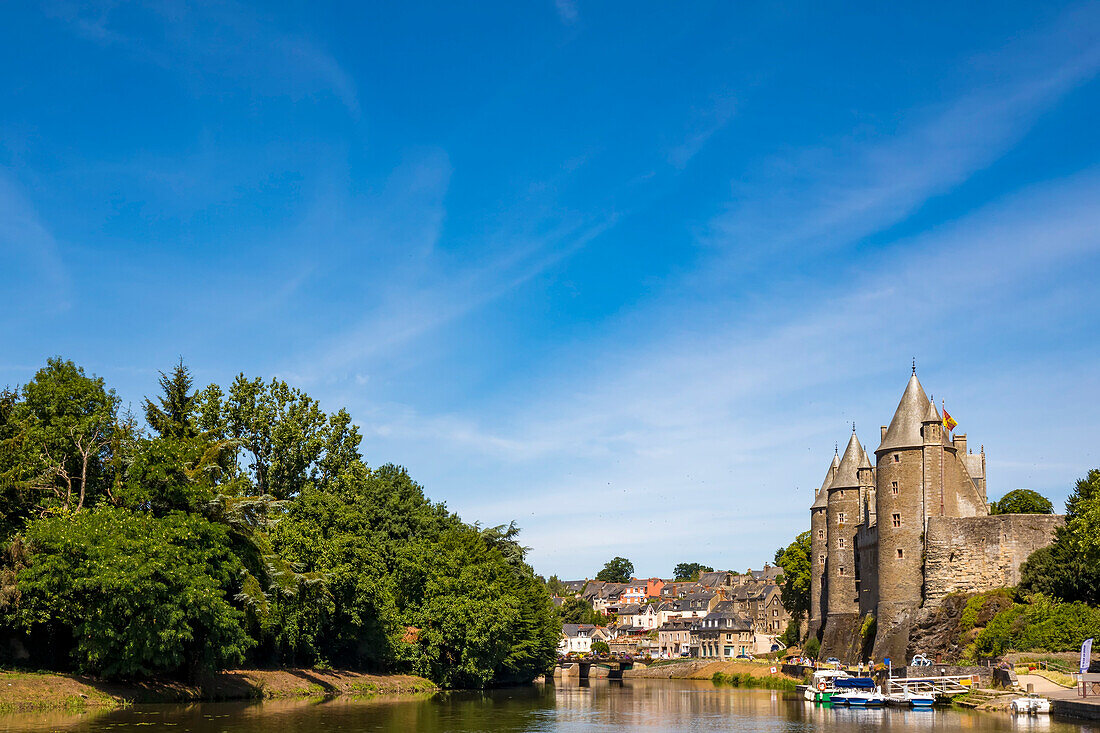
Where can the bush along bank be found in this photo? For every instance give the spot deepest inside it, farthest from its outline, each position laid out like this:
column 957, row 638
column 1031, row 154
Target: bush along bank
column 744, row 679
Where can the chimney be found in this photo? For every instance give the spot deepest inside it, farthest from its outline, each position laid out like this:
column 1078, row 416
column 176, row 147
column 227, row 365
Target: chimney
column 960, row 444
column 883, row 436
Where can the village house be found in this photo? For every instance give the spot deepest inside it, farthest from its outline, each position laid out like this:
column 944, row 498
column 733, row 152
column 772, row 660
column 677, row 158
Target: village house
column 577, row 638
column 674, row 638
column 722, row 634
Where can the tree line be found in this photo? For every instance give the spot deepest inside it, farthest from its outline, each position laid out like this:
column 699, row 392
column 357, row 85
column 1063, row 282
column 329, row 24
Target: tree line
column 241, row 526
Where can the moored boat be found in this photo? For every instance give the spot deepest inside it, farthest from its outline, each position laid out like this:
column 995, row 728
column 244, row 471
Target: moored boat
column 857, row 692
column 823, row 685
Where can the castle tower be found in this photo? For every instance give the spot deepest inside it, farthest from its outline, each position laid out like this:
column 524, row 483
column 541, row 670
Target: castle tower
column 842, row 517
column 902, row 494
column 819, row 548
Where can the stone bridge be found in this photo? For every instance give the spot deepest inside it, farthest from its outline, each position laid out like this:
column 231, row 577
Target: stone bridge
column 583, row 668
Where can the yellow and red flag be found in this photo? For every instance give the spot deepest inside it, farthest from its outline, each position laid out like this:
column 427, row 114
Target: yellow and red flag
column 948, row 421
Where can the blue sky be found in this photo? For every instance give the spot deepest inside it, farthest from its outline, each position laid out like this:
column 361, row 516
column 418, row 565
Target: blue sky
column 622, row 272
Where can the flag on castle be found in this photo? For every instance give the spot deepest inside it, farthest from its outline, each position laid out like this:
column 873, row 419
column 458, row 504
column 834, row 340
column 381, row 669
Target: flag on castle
column 948, row 421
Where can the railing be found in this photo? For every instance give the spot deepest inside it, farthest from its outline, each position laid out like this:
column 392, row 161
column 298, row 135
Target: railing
column 1088, row 684
column 940, row 686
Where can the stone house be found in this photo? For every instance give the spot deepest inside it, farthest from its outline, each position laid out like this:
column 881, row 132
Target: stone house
column 722, row 634
column 674, row 638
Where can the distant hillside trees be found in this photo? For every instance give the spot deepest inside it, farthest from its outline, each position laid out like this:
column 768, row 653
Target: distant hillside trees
column 690, row 571
column 616, row 570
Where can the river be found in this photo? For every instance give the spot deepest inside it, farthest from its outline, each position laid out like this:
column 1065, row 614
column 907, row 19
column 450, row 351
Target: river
column 658, row 706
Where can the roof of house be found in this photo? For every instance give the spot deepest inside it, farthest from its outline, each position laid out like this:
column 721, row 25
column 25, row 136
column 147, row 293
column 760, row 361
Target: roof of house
column 572, row 630
column 717, row 577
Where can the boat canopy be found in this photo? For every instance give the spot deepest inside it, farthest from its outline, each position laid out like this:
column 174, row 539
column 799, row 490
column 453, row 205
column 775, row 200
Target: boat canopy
column 855, row 683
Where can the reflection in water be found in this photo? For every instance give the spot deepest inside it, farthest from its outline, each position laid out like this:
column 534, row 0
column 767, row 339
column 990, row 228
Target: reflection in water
column 655, row 705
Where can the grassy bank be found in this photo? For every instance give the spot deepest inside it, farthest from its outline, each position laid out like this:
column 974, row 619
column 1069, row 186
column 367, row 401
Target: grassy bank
column 739, row 673
column 746, row 679
column 21, row 691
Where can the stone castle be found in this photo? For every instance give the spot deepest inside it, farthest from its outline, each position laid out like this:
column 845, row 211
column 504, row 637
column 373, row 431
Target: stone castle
column 893, row 537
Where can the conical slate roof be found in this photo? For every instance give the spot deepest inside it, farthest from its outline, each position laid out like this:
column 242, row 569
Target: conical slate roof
column 866, row 461
column 846, row 477
column 904, row 430
column 822, row 499
column 932, row 414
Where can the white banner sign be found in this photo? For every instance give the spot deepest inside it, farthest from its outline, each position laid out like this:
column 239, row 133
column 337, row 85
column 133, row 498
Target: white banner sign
column 1086, row 655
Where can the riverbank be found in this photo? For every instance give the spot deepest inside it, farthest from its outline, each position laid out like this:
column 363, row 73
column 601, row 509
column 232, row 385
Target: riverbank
column 21, row 691
column 737, row 674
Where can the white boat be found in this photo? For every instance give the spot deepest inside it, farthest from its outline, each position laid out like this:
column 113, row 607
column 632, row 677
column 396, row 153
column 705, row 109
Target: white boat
column 910, row 700
column 822, row 687
column 1030, row 705
column 860, row 698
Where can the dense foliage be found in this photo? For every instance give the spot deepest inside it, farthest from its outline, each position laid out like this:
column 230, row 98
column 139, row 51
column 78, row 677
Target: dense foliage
column 1041, row 624
column 1069, row 569
column 616, row 570
column 1022, row 501
column 242, row 527
column 580, row 611
column 690, row 571
column 795, row 581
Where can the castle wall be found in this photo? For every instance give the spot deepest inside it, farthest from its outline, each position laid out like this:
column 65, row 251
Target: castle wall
column 974, row 554
column 867, row 537
column 962, row 497
column 818, row 548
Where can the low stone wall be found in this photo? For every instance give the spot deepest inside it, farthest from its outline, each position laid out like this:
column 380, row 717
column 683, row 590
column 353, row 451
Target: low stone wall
column 974, row 554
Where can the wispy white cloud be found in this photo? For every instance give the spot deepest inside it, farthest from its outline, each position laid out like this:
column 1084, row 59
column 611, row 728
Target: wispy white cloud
column 677, row 426
column 209, row 44
column 567, row 11
column 849, row 188
column 705, row 121
column 35, row 271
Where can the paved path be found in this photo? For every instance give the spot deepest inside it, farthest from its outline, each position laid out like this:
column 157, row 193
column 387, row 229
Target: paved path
column 1043, row 686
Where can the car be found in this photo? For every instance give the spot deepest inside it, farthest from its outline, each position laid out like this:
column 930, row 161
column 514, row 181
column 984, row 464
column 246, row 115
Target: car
column 919, row 660
column 743, row 656
column 832, row 660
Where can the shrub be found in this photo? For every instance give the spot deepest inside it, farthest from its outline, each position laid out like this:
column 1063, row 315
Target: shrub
column 813, row 647
column 1042, row 624
column 139, row 594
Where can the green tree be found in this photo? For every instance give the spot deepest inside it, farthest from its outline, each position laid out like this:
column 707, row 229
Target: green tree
column 616, row 570
column 65, row 420
column 1022, row 501
column 580, row 611
column 139, row 594
column 174, row 416
column 690, row 571
column 1069, row 569
column 795, row 581
column 601, row 648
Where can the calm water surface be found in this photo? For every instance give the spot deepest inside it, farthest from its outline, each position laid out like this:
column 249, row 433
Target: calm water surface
column 652, row 705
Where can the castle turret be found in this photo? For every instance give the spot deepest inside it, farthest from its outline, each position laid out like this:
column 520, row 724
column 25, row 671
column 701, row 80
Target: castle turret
column 901, row 497
column 842, row 518
column 819, row 548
